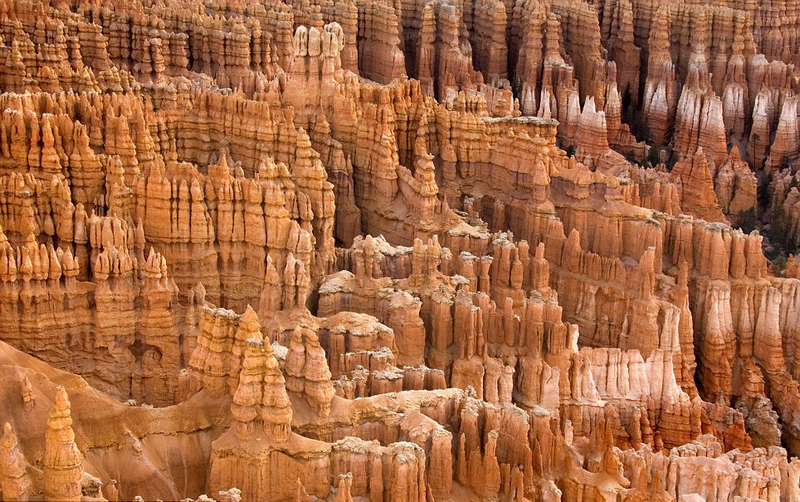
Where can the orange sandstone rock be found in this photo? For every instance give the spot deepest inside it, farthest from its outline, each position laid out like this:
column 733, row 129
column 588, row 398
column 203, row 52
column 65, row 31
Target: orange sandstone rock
column 399, row 251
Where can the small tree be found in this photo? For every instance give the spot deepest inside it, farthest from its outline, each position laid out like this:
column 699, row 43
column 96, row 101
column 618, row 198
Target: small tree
column 627, row 97
column 791, row 245
column 516, row 88
column 764, row 191
column 653, row 157
column 779, row 266
column 671, row 161
column 643, row 132
column 777, row 230
column 748, row 220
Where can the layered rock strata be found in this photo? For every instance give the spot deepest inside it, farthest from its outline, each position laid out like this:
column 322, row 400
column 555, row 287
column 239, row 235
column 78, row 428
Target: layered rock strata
column 399, row 251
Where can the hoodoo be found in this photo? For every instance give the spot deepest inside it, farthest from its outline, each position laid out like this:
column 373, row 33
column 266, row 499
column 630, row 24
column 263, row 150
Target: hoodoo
column 400, row 251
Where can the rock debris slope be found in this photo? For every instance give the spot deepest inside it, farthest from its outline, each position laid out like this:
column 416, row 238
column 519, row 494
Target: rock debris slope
column 360, row 250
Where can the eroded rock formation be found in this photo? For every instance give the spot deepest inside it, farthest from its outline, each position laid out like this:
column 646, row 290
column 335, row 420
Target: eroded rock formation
column 399, row 251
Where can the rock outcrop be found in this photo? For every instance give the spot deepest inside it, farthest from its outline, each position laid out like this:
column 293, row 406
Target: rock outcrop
column 399, row 251
column 62, row 470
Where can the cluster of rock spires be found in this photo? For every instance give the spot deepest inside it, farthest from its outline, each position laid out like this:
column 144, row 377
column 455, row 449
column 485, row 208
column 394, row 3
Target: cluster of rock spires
column 399, row 251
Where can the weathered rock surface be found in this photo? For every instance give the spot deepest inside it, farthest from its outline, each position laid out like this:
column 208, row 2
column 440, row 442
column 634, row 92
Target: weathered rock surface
column 399, row 251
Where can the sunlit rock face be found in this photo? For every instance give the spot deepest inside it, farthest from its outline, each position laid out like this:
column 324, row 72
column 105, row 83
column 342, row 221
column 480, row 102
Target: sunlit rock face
column 360, row 250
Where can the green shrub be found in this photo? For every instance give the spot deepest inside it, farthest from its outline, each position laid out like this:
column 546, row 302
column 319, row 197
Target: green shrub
column 653, row 157
column 748, row 220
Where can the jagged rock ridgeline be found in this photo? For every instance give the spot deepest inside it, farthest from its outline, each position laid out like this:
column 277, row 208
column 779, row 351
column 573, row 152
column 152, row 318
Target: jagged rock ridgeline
column 399, row 252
